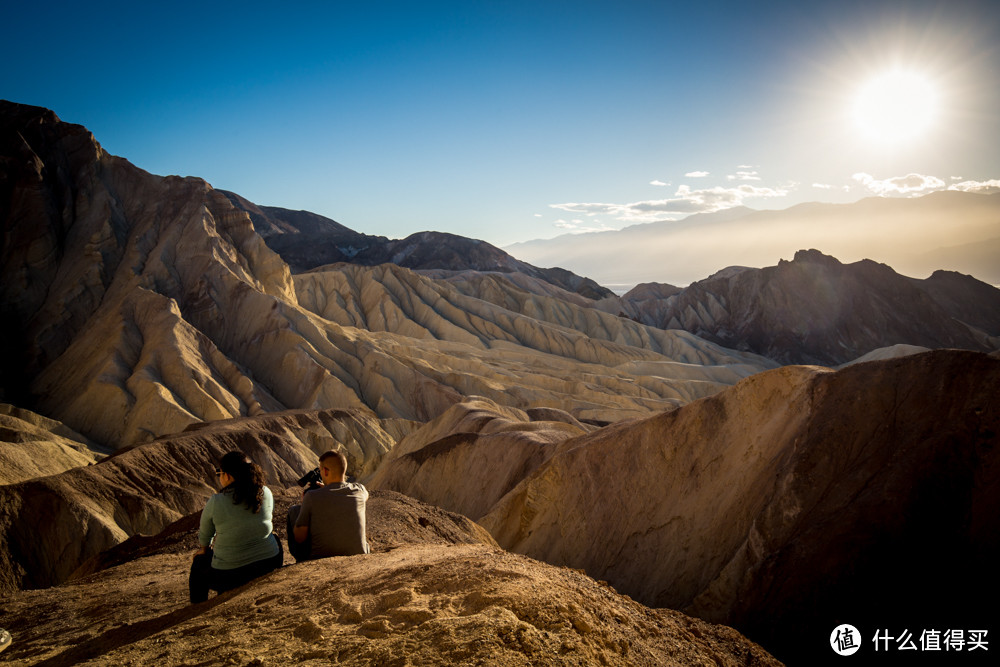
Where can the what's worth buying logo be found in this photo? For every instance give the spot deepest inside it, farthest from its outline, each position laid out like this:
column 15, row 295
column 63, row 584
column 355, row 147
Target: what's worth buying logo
column 845, row 639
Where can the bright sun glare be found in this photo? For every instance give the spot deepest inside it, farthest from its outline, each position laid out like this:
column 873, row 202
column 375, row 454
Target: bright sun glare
column 895, row 107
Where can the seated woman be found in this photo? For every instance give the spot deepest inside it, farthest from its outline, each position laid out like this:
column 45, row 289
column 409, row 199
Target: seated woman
column 236, row 537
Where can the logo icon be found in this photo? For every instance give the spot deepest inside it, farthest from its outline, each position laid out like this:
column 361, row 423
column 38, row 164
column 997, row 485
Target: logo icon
column 845, row 639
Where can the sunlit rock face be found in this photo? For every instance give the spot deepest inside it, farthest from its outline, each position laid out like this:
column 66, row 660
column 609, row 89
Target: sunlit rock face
column 491, row 447
column 774, row 506
column 138, row 305
column 118, row 287
column 815, row 309
column 35, row 446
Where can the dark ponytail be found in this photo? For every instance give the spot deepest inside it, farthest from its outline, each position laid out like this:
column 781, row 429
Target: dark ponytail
column 248, row 480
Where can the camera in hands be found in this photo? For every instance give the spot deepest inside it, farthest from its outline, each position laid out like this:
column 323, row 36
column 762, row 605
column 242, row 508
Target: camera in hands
column 311, row 480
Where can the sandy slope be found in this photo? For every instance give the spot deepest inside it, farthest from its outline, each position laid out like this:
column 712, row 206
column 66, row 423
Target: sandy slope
column 429, row 594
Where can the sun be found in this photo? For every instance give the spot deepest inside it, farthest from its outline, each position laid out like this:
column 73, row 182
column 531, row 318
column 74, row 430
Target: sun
column 895, row 107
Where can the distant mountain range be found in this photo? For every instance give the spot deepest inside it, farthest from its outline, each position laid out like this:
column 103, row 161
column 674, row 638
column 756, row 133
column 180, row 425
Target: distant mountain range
column 813, row 309
column 816, row 310
column 308, row 241
column 955, row 231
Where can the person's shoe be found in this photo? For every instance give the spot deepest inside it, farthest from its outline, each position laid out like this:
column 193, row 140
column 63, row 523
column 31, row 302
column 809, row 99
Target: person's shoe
column 5, row 639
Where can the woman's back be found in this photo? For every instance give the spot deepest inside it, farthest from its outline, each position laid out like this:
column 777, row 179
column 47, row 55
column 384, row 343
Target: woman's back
column 241, row 536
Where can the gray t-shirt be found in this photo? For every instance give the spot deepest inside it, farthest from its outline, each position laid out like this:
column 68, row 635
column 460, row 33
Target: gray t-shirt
column 335, row 514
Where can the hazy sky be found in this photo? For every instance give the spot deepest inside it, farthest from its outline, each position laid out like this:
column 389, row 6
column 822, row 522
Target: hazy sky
column 508, row 121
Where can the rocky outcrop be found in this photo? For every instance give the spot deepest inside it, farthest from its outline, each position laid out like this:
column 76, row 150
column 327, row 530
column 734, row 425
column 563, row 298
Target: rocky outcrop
column 767, row 508
column 891, row 352
column 815, row 309
column 116, row 282
column 777, row 506
column 50, row 526
column 135, row 305
column 430, row 602
column 34, row 446
column 969, row 301
column 494, row 448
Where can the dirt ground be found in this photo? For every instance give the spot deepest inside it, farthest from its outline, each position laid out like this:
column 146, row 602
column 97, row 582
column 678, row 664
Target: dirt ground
column 431, row 593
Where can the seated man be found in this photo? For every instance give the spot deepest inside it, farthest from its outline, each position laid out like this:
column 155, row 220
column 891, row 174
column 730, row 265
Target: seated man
column 331, row 519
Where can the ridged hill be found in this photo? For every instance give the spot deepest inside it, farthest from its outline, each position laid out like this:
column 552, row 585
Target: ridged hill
column 814, row 309
column 306, row 241
column 796, row 500
column 35, row 446
column 134, row 305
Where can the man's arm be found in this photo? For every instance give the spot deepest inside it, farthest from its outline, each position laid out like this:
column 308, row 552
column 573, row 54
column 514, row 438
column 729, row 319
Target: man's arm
column 301, row 530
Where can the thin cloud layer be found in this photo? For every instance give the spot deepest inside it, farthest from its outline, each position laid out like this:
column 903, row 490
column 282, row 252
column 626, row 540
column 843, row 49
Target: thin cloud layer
column 911, row 185
column 982, row 187
column 915, row 185
column 687, row 200
column 684, row 202
column 579, row 227
column 696, row 174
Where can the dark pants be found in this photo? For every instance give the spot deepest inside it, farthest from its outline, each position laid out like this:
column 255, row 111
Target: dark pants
column 300, row 550
column 204, row 577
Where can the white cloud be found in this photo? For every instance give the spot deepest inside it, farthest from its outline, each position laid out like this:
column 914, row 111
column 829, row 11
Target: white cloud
column 577, row 227
column 591, row 208
column 956, row 178
column 822, row 186
column 981, row 187
column 685, row 201
column 659, row 183
column 911, row 185
column 696, row 174
column 538, row 215
column 744, row 176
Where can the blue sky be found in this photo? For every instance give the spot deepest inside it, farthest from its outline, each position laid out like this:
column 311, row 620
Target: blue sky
column 509, row 121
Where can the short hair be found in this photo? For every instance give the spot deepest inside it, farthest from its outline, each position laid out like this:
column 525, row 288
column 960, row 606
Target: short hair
column 341, row 462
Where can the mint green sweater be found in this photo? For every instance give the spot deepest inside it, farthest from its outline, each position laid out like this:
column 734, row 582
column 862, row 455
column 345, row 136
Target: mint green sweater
column 240, row 536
